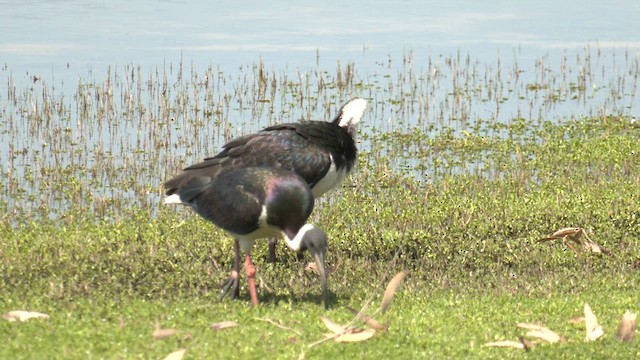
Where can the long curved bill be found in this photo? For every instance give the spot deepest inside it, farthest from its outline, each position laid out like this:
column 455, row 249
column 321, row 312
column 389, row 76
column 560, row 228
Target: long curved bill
column 319, row 259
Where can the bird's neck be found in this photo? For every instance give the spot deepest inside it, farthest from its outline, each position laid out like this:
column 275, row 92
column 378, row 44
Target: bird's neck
column 294, row 241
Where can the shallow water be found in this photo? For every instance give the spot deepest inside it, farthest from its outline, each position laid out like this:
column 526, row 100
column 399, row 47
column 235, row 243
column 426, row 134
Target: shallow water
column 66, row 38
column 119, row 95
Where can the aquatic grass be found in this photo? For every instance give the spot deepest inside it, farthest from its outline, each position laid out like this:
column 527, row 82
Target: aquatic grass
column 463, row 218
column 463, row 167
column 106, row 142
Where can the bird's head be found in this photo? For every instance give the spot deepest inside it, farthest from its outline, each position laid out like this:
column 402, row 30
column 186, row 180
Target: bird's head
column 315, row 241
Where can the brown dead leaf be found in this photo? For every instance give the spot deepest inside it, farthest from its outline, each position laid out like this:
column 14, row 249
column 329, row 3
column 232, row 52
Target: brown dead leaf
column 574, row 235
column 526, row 343
column 391, row 290
column 627, row 327
column 342, row 333
column 223, row 325
column 333, row 327
column 529, row 326
column 568, row 233
column 574, row 232
column 22, row 315
column 548, row 335
column 576, row 320
column 355, row 335
column 176, row 355
column 159, row 333
column 371, row 322
column 594, row 330
column 591, row 246
column 540, row 332
column 506, row 343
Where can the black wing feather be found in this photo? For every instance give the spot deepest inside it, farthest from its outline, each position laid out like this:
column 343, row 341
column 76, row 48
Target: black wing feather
column 305, row 147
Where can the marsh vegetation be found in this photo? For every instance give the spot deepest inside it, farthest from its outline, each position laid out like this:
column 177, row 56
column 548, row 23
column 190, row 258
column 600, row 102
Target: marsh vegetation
column 463, row 166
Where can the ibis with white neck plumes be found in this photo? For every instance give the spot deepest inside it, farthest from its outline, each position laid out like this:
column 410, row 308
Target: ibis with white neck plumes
column 321, row 153
column 258, row 202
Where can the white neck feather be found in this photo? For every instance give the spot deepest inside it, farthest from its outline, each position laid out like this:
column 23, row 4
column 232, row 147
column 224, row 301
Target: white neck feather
column 352, row 113
column 296, row 243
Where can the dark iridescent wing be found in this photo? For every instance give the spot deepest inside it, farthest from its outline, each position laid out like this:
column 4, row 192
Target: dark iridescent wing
column 284, row 146
column 231, row 202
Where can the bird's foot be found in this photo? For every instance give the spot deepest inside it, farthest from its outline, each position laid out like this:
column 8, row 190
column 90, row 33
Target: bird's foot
column 233, row 282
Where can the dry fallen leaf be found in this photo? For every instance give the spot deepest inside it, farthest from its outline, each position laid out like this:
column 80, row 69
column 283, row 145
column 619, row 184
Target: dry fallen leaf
column 506, row 343
column 576, row 320
column 590, row 245
column 574, row 234
column 567, row 234
column 548, row 335
column 627, row 327
column 594, row 248
column 223, row 325
column 22, row 315
column 176, row 355
column 159, row 333
column 391, row 290
column 371, row 322
column 527, row 344
column 333, row 327
column 355, row 335
column 594, row 330
column 540, row 332
column 342, row 333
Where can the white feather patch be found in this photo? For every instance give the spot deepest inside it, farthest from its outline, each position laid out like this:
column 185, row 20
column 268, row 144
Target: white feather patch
column 172, row 199
column 262, row 220
column 295, row 243
column 332, row 179
column 352, row 112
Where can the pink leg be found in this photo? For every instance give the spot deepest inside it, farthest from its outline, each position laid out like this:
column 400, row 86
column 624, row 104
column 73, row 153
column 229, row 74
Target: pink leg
column 251, row 277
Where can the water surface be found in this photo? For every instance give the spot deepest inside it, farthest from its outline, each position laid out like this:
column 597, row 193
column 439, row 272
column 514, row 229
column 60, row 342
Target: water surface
column 100, row 102
column 66, row 38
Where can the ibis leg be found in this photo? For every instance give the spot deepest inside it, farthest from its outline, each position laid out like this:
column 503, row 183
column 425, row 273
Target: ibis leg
column 234, row 278
column 251, row 277
column 271, row 255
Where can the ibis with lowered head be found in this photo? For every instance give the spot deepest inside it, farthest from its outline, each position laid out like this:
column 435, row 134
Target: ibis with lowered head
column 258, row 202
